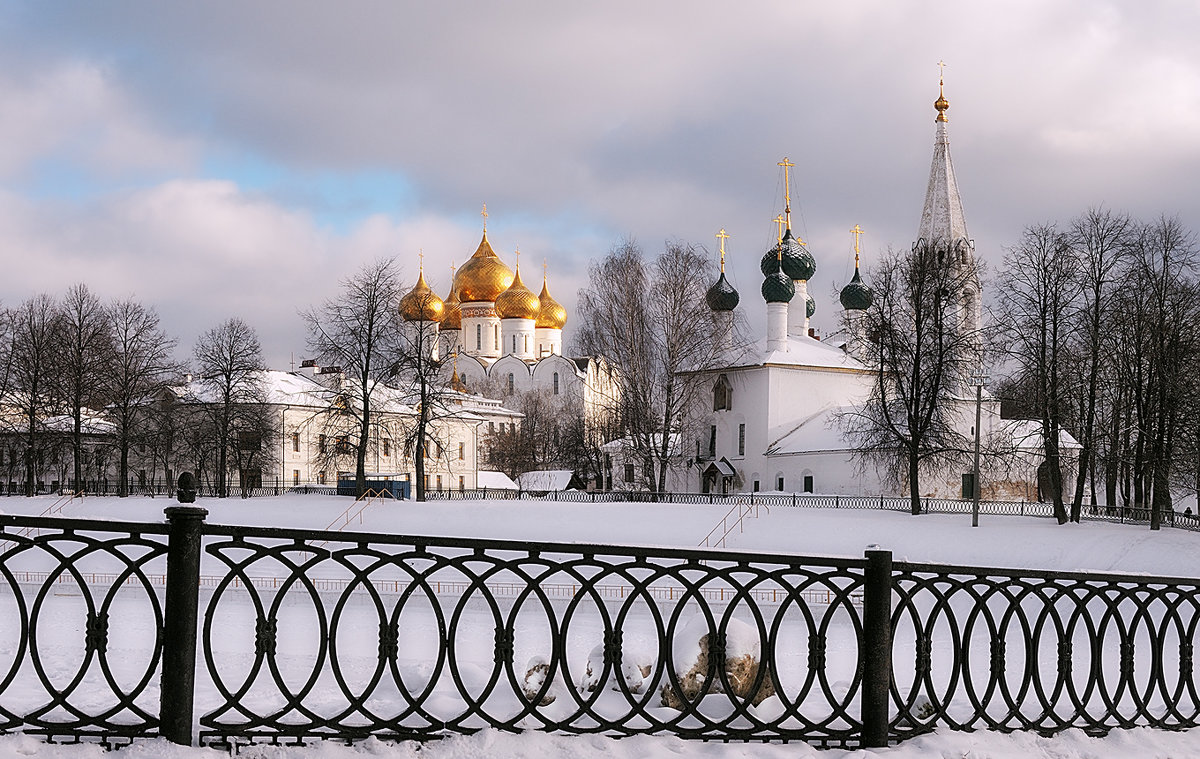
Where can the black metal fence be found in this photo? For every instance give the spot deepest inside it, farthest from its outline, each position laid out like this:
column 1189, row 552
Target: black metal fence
column 304, row 634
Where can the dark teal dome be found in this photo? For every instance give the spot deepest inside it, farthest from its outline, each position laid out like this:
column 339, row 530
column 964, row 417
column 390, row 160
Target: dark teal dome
column 798, row 263
column 856, row 296
column 778, row 287
column 722, row 296
column 810, row 306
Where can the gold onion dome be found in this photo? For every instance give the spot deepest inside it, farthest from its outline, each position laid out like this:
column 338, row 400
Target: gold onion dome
column 453, row 317
column 518, row 301
column 483, row 277
column 941, row 105
column 421, row 303
column 551, row 314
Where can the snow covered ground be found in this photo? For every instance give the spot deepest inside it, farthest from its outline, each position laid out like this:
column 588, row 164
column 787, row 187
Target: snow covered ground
column 1000, row 541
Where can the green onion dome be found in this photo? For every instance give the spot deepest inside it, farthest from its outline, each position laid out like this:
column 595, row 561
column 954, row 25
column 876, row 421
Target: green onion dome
column 810, row 306
column 778, row 287
column 722, row 296
column 856, row 296
column 798, row 263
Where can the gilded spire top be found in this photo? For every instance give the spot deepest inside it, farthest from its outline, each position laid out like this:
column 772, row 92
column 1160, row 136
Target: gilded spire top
column 858, row 233
column 787, row 190
column 941, row 104
column 484, row 214
column 722, row 236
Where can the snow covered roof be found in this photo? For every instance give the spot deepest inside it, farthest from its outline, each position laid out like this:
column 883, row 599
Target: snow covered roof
column 494, row 480
column 546, row 479
column 801, row 352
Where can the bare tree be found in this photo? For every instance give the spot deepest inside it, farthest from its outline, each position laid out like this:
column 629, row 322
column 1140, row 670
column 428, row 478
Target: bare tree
column 923, row 344
column 420, row 368
column 32, row 363
column 1101, row 241
column 1040, row 293
column 141, row 365
column 84, row 353
column 230, row 363
column 359, row 332
column 650, row 321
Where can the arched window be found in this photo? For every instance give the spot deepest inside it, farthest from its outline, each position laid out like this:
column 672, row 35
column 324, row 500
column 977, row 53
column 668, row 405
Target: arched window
column 556, row 383
column 514, row 343
column 722, row 394
column 510, row 383
column 496, row 337
column 478, row 337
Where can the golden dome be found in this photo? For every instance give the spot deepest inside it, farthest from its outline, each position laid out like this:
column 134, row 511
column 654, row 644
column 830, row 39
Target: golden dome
column 483, row 277
column 453, row 315
column 941, row 104
column 518, row 301
column 422, row 303
column 551, row 315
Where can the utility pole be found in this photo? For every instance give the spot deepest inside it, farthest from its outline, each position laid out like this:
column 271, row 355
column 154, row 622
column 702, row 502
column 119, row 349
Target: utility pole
column 978, row 379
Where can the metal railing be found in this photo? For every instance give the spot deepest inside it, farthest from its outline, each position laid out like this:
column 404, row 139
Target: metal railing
column 305, row 634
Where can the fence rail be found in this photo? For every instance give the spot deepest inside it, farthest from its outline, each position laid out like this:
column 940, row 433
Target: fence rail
column 312, row 634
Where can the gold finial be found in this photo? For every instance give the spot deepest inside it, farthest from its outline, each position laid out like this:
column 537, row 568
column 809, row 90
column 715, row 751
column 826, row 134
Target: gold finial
column 787, row 191
column 779, row 221
column 941, row 104
column 484, row 214
column 421, row 256
column 722, row 237
column 517, row 250
column 858, row 233
column 543, row 271
column 453, row 269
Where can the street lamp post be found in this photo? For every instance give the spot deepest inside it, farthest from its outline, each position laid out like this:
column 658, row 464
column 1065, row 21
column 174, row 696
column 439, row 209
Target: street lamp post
column 978, row 379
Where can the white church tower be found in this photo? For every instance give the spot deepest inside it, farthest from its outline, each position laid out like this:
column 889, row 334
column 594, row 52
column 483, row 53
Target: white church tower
column 943, row 224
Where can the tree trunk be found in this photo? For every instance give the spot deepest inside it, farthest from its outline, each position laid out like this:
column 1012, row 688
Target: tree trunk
column 914, row 483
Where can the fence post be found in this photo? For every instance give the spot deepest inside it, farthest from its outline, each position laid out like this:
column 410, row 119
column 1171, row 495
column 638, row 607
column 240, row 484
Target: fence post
column 180, row 623
column 877, row 647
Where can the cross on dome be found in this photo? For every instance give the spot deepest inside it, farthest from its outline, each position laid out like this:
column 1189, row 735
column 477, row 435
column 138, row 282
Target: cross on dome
column 722, row 236
column 857, row 232
column 787, row 190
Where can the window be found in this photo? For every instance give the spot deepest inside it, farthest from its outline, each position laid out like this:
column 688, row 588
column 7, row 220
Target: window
column 722, row 394
column 629, row 472
column 556, row 383
column 712, row 441
column 462, row 453
column 491, row 428
column 387, row 447
column 439, row 482
column 756, row 486
column 808, row 483
column 295, row 476
column 496, row 337
column 779, row 484
column 514, row 343
column 296, row 442
column 321, row 477
column 968, row 485
column 478, row 337
column 343, row 444
column 526, row 344
column 462, row 483
column 741, row 439
column 320, row 443
column 510, row 383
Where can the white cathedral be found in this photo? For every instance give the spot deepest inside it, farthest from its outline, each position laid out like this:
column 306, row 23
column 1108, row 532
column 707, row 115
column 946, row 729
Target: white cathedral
column 772, row 420
column 504, row 339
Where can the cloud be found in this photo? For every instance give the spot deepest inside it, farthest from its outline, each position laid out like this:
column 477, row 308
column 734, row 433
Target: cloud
column 74, row 114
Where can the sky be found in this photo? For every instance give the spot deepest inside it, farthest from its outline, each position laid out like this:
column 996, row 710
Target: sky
column 238, row 159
